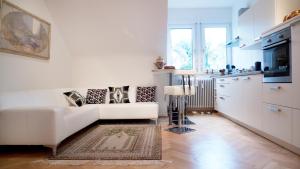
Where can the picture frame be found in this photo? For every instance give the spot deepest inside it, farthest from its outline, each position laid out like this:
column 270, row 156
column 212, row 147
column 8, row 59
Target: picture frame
column 23, row 33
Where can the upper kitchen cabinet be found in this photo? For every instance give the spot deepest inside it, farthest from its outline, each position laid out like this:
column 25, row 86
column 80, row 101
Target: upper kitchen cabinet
column 245, row 28
column 283, row 8
column 262, row 16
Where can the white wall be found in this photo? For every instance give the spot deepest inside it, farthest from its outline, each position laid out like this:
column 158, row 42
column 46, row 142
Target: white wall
column 23, row 73
column 203, row 15
column 113, row 42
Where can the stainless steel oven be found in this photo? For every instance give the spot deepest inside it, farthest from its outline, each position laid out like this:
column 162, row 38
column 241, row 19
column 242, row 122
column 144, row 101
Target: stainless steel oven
column 277, row 57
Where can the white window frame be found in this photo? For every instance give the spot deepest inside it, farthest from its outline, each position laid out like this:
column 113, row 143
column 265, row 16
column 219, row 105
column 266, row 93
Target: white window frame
column 228, row 37
column 182, row 26
column 198, row 41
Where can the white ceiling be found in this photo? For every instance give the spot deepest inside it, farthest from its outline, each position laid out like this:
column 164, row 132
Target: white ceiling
column 204, row 3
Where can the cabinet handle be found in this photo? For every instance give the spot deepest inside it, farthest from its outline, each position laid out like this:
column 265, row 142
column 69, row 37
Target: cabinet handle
column 222, row 98
column 243, row 45
column 275, row 109
column 257, row 39
column 235, row 78
column 222, row 80
column 246, row 78
column 275, row 88
column 222, row 86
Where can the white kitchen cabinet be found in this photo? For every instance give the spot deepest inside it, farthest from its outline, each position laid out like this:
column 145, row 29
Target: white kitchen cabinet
column 252, row 100
column 246, row 96
column 279, row 93
column 236, row 95
column 223, row 104
column 264, row 16
column 223, row 80
column 223, row 100
column 277, row 121
column 285, row 7
column 237, row 99
column 296, row 128
column 246, row 102
column 245, row 28
column 295, row 32
column 287, row 94
column 243, row 98
column 257, row 19
column 223, row 89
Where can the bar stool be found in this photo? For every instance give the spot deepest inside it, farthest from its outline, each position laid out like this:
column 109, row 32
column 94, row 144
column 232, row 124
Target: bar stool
column 179, row 92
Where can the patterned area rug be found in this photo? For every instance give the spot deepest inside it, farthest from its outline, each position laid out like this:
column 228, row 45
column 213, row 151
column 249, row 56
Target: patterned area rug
column 113, row 142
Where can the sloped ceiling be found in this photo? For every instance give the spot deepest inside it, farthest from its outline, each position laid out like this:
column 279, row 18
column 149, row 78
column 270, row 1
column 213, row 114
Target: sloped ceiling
column 93, row 27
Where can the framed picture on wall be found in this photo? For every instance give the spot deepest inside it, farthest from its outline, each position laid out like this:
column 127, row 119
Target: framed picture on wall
column 22, row 33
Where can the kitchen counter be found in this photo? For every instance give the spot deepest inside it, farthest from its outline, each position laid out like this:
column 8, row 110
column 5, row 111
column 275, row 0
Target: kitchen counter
column 236, row 74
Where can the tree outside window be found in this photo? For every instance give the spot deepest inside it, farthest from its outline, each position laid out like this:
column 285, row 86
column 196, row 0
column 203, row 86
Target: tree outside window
column 181, row 48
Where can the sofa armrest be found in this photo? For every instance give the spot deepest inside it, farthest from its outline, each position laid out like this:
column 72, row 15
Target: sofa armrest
column 31, row 126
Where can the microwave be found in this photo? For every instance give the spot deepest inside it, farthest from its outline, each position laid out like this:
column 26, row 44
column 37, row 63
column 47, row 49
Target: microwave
column 277, row 57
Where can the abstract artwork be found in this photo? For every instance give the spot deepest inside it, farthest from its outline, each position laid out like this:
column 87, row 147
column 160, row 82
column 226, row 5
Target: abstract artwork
column 22, row 33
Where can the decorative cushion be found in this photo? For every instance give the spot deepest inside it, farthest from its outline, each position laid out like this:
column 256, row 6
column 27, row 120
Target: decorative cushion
column 96, row 96
column 74, row 98
column 145, row 94
column 118, row 94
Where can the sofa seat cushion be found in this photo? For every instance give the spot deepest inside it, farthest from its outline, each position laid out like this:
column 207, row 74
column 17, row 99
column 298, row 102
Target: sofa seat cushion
column 77, row 118
column 129, row 111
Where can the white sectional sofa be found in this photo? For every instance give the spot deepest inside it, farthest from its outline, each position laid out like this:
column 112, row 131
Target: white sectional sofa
column 44, row 117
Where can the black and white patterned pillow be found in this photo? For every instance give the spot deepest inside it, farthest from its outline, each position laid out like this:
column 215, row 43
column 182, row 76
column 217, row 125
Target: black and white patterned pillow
column 75, row 98
column 118, row 94
column 96, row 96
column 145, row 94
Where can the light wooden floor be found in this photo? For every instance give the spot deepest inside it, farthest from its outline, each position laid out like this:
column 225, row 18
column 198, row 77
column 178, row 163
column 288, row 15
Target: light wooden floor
column 217, row 144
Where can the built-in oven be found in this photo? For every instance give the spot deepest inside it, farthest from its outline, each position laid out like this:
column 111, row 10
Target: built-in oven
column 277, row 57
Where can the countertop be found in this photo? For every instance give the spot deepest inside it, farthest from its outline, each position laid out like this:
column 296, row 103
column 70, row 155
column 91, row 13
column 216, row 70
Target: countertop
column 237, row 74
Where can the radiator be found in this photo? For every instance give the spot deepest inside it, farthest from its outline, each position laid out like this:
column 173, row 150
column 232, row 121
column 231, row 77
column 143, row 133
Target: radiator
column 203, row 100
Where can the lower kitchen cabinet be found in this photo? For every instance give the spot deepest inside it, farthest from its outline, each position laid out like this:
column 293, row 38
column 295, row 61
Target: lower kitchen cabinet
column 252, row 100
column 296, row 128
column 262, row 106
column 241, row 99
column 223, row 89
column 279, row 93
column 236, row 94
column 223, row 104
column 277, row 121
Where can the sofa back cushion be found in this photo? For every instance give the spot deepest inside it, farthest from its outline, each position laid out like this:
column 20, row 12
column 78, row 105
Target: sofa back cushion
column 96, row 96
column 33, row 98
column 119, row 94
column 131, row 92
column 48, row 97
column 145, row 94
column 75, row 98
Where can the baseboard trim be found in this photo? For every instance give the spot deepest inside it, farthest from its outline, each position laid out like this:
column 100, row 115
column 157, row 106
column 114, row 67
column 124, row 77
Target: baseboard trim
column 269, row 137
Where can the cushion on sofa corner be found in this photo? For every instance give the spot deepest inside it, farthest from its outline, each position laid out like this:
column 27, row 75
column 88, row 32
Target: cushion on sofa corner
column 75, row 98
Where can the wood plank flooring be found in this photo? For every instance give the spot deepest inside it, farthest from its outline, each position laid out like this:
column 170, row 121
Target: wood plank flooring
column 217, row 144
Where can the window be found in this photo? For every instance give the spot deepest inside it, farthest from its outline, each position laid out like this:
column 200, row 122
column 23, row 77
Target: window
column 200, row 47
column 181, row 48
column 214, row 47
